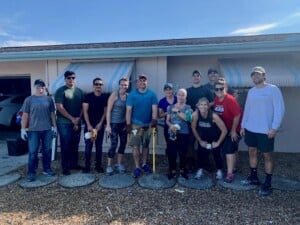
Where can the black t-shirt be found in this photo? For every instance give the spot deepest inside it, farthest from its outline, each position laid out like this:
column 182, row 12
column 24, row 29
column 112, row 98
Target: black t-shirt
column 96, row 106
column 194, row 94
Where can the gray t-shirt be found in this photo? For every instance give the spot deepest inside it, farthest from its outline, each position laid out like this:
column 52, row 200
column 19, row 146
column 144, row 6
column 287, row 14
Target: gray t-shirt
column 175, row 119
column 39, row 109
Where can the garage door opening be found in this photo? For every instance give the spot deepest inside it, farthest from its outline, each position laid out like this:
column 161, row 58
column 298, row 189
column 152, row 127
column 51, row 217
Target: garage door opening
column 15, row 85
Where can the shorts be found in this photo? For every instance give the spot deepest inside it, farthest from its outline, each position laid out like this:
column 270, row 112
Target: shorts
column 142, row 136
column 229, row 146
column 259, row 141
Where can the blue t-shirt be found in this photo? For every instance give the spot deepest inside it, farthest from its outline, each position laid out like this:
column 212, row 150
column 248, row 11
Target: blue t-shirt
column 141, row 104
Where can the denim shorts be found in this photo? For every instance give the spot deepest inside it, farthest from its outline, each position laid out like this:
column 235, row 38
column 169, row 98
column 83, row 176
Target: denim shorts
column 259, row 141
column 142, row 136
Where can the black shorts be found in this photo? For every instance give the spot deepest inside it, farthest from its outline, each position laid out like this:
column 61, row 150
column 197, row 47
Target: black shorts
column 259, row 141
column 229, row 146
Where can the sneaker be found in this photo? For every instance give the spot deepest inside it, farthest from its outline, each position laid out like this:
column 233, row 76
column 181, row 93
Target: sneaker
column 66, row 172
column 86, row 170
column 219, row 175
column 137, row 172
column 229, row 178
column 265, row 190
column 30, row 177
column 109, row 170
column 146, row 168
column 199, row 174
column 120, row 168
column 251, row 180
column 49, row 173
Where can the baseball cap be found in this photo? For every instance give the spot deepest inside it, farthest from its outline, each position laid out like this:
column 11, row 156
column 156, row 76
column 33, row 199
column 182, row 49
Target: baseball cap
column 258, row 69
column 39, row 83
column 142, row 76
column 168, row 85
column 212, row 70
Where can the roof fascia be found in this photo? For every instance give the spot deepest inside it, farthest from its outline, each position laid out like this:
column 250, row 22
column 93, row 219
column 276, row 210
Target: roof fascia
column 292, row 45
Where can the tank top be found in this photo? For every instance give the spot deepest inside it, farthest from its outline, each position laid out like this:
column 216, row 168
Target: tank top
column 207, row 129
column 118, row 111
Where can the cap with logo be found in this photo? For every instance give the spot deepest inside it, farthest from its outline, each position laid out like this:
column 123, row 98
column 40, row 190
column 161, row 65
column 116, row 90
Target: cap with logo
column 168, row 85
column 258, row 69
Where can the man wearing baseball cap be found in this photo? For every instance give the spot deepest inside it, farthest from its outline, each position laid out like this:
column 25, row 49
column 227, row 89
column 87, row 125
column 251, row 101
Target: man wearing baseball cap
column 42, row 126
column 141, row 116
column 263, row 114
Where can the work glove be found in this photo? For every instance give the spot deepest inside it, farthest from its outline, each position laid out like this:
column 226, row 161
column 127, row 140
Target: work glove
column 24, row 135
column 128, row 128
column 54, row 131
column 153, row 123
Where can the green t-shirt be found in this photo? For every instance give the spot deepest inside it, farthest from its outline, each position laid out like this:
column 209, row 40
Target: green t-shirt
column 71, row 99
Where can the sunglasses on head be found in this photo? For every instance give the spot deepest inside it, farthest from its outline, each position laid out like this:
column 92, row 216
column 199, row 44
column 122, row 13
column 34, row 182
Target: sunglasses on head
column 98, row 84
column 219, row 89
column 69, row 78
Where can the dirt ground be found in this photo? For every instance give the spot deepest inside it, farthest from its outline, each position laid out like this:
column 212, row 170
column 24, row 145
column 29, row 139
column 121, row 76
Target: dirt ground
column 93, row 204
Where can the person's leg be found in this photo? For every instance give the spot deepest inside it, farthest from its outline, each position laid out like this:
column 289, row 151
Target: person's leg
column 88, row 154
column 123, row 141
column 183, row 141
column 75, row 139
column 33, row 145
column 46, row 138
column 172, row 155
column 98, row 144
column 65, row 137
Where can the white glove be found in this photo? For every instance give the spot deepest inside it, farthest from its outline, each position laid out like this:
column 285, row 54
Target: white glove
column 54, row 131
column 24, row 135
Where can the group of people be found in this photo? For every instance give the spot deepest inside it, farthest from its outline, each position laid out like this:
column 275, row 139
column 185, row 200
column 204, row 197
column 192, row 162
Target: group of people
column 198, row 120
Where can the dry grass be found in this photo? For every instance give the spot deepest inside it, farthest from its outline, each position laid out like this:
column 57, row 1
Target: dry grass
column 93, row 204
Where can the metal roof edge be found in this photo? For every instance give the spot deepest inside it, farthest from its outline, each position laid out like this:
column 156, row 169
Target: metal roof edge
column 291, row 44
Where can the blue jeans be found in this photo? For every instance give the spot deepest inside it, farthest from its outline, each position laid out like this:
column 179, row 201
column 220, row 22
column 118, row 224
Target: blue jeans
column 118, row 130
column 89, row 147
column 69, row 141
column 34, row 140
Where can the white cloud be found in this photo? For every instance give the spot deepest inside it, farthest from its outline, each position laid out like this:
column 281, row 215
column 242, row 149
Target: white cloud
column 287, row 21
column 255, row 29
column 13, row 43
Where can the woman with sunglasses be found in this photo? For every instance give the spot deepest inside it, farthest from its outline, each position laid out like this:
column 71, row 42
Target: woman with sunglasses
column 230, row 111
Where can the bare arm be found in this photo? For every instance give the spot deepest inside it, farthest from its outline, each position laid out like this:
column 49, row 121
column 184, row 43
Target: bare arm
column 235, row 123
column 53, row 119
column 111, row 100
column 194, row 130
column 154, row 112
column 128, row 114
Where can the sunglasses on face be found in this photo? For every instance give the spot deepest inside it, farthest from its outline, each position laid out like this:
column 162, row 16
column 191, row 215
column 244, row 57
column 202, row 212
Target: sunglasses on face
column 69, row 78
column 219, row 89
column 98, row 84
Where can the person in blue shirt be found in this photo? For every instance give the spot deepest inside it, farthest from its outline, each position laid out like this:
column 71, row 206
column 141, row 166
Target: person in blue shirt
column 169, row 99
column 141, row 116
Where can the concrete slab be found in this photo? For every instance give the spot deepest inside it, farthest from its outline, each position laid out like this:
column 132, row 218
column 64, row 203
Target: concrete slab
column 117, row 181
column 285, row 184
column 156, row 181
column 10, row 163
column 9, row 179
column 203, row 183
column 237, row 184
column 76, row 180
column 41, row 180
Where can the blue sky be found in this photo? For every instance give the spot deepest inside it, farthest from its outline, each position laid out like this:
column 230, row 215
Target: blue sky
column 46, row 22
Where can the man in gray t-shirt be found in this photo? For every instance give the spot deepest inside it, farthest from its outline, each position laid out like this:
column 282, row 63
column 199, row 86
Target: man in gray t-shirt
column 39, row 113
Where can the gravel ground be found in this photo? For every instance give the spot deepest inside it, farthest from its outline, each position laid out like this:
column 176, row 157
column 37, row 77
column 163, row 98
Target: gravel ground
column 93, row 204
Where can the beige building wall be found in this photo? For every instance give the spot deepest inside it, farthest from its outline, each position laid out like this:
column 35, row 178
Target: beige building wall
column 160, row 70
